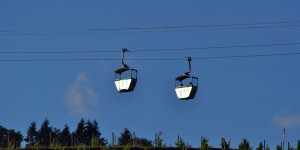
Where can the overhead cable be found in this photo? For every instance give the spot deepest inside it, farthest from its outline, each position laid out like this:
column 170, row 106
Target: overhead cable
column 278, row 24
column 217, row 47
column 149, row 59
column 151, row 50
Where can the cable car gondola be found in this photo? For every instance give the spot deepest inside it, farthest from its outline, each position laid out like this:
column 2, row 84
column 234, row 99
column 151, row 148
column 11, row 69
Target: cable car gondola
column 127, row 83
column 189, row 90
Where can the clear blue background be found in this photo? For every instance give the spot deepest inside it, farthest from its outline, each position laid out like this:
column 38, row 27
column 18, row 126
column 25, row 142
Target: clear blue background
column 251, row 98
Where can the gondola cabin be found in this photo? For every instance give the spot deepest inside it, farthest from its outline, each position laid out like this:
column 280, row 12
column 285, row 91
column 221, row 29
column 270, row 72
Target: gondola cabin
column 186, row 86
column 125, row 79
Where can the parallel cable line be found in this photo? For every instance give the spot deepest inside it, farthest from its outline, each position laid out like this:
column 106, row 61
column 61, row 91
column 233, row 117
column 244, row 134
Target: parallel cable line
column 200, row 26
column 151, row 50
column 248, row 56
column 58, row 52
column 258, row 25
column 149, row 59
column 217, row 47
column 58, row 59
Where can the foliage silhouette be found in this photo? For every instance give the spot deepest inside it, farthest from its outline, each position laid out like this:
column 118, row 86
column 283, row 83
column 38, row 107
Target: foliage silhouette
column 260, row 146
column 125, row 138
column 224, row 144
column 9, row 138
column 204, row 143
column 244, row 145
column 44, row 134
column 65, row 136
column 32, row 135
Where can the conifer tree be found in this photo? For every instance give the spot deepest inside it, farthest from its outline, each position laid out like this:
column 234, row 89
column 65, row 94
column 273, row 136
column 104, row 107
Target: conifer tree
column 204, row 143
column 143, row 142
column 93, row 134
column 224, row 144
column 15, row 138
column 44, row 134
column 65, row 137
column 80, row 133
column 3, row 137
column 244, row 145
column 125, row 138
column 32, row 134
column 55, row 136
column 10, row 137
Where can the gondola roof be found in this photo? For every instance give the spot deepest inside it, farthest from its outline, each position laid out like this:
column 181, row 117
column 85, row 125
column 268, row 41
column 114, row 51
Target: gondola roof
column 121, row 70
column 184, row 76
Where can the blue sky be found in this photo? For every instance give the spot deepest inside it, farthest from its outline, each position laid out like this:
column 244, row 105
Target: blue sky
column 251, row 98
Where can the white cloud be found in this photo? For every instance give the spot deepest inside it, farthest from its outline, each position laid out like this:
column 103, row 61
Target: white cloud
column 80, row 97
column 288, row 120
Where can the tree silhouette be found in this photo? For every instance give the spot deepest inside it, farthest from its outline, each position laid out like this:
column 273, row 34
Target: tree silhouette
column 244, row 145
column 125, row 138
column 93, row 135
column 181, row 143
column 55, row 136
column 204, row 143
column 90, row 132
column 65, row 136
column 9, row 137
column 80, row 132
column 260, row 146
column 298, row 145
column 224, row 144
column 3, row 137
column 15, row 138
column 32, row 134
column 278, row 147
column 102, row 141
column 44, row 134
column 142, row 142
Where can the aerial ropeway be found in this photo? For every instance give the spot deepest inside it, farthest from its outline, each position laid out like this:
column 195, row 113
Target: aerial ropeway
column 186, row 85
column 125, row 77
